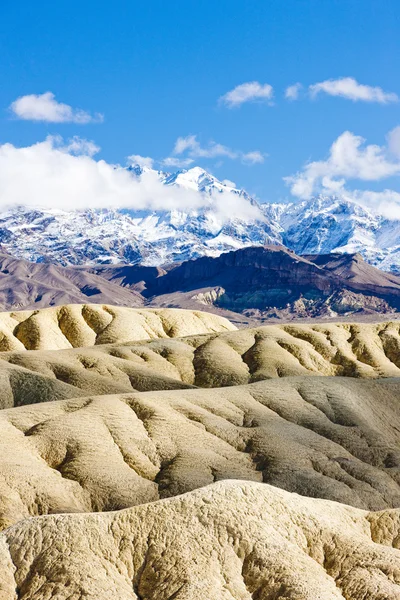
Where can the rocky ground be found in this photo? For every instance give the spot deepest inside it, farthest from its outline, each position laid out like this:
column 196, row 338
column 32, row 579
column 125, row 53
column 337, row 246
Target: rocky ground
column 159, row 454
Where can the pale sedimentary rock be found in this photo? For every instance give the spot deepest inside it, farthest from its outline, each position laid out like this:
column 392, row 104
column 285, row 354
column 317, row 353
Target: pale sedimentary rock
column 210, row 360
column 76, row 325
column 335, row 438
column 229, row 541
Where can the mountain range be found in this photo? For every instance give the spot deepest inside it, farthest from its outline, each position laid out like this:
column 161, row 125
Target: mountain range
column 249, row 285
column 321, row 225
column 268, row 282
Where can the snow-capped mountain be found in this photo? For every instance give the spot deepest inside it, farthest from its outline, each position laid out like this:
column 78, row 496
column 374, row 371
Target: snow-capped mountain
column 132, row 236
column 228, row 219
column 332, row 224
column 325, row 224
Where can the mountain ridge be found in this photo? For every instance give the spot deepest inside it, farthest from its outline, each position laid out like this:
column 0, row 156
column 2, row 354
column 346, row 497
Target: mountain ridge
column 273, row 281
column 228, row 219
column 246, row 285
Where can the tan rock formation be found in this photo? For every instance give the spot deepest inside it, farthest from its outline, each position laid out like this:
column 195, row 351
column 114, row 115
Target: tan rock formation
column 77, row 325
column 363, row 350
column 229, row 541
column 333, row 438
column 102, row 414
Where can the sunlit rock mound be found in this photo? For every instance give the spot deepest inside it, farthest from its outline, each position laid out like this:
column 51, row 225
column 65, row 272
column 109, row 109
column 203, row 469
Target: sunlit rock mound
column 208, row 360
column 332, row 438
column 72, row 326
column 151, row 454
column 222, row 358
column 229, row 541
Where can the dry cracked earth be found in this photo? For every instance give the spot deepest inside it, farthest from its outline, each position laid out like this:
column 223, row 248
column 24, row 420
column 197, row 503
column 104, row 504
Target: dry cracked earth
column 161, row 454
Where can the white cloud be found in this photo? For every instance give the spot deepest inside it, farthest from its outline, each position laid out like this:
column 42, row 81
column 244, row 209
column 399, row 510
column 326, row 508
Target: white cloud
column 386, row 202
column 44, row 107
column 292, row 91
column 142, row 161
column 348, row 87
column 191, row 146
column 76, row 145
column 251, row 91
column 351, row 159
column 177, row 163
column 229, row 183
column 227, row 204
column 54, row 174
column 253, row 158
column 185, row 143
column 64, row 175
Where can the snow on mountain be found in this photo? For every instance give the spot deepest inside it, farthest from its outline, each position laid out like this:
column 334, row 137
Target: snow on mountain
column 229, row 219
column 131, row 236
column 335, row 224
column 324, row 224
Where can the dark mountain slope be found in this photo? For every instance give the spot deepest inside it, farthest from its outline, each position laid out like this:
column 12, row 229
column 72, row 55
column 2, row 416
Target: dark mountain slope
column 244, row 285
column 276, row 282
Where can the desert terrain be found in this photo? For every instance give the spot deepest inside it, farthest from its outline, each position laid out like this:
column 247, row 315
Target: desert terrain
column 164, row 453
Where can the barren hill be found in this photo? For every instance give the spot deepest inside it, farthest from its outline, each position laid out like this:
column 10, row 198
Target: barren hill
column 103, row 411
column 209, row 360
column 25, row 284
column 332, row 438
column 265, row 282
column 229, row 541
column 89, row 324
column 357, row 272
column 246, row 285
column 277, row 283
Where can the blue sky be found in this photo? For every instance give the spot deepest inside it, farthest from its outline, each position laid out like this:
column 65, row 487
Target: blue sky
column 156, row 71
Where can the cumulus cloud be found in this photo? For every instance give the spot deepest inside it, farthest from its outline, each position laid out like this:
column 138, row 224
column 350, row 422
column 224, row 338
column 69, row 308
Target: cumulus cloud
column 348, row 87
column 292, row 91
column 188, row 149
column 45, row 107
column 385, row 202
column 252, row 91
column 142, row 161
column 229, row 183
column 253, row 158
column 54, row 174
column 177, row 163
column 65, row 175
column 190, row 146
column 351, row 159
column 226, row 204
column 75, row 145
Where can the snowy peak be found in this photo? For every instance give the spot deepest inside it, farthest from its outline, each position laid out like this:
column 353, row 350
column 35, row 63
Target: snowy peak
column 150, row 237
column 195, row 179
column 228, row 219
column 327, row 224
